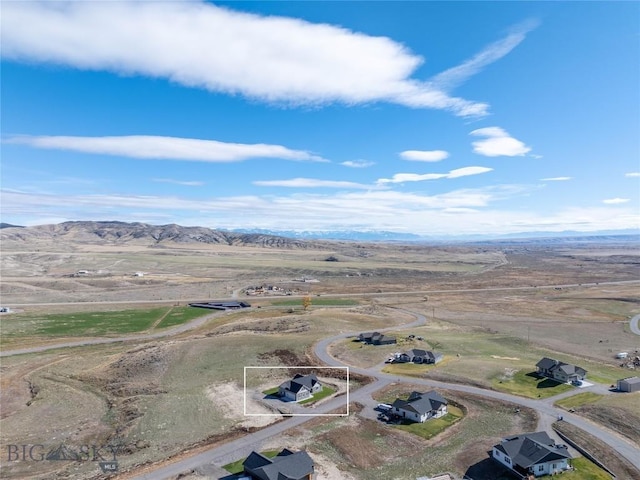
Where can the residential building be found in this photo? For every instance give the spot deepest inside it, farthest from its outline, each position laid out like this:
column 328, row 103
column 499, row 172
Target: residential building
column 420, row 407
column 376, row 338
column 300, row 387
column 560, row 371
column 532, row 454
column 287, row 465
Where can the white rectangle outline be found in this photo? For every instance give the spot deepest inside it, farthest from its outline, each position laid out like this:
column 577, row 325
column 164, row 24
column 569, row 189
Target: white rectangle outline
column 244, row 396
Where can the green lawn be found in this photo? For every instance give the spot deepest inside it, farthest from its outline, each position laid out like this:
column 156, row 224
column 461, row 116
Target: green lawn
column 578, row 400
column 326, row 391
column 236, row 467
column 272, row 391
column 433, row 427
column 584, row 470
column 528, row 384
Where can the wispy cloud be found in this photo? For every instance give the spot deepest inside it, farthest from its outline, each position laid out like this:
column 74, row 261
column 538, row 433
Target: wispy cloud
column 420, row 177
column 166, row 148
column 269, row 58
column 186, row 183
column 556, row 179
column 455, row 76
column 615, row 201
column 313, row 183
column 357, row 163
column 424, row 155
column 497, row 143
column 475, row 211
column 632, row 174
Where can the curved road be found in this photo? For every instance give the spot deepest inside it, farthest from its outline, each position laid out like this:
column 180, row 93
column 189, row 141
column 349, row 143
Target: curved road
column 241, row 447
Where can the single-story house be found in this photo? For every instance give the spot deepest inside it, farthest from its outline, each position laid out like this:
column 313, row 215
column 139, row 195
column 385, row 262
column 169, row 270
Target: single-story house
column 560, row 371
column 287, row 465
column 532, row 453
column 417, row 355
column 376, row 338
column 300, row 387
column 630, row 384
column 420, row 407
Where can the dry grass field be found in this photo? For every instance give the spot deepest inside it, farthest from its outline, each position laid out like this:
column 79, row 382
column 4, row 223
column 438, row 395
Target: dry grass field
column 161, row 396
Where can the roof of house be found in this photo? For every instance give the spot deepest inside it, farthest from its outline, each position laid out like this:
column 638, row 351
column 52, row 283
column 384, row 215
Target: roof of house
column 421, row 403
column 531, row 449
column 287, row 465
column 551, row 364
column 300, row 381
column 416, row 352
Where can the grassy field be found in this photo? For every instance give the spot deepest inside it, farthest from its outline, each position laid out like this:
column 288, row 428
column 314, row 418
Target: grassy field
column 578, row 400
column 95, row 323
column 317, row 301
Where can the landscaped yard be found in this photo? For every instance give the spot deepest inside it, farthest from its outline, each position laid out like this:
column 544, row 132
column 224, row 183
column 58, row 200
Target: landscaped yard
column 324, row 393
column 434, row 426
column 409, row 369
column 529, row 384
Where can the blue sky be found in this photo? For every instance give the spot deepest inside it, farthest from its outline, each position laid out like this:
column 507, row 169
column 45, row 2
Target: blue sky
column 432, row 118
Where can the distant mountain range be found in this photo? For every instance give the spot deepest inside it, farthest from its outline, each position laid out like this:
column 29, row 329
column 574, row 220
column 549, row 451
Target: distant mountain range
column 142, row 233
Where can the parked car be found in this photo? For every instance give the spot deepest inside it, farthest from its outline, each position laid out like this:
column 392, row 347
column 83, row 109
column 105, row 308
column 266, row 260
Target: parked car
column 576, row 383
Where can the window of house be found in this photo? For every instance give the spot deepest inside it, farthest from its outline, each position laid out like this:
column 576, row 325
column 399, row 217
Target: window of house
column 540, row 468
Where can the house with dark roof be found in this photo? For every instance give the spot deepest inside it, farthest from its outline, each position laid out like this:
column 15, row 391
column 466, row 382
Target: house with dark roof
column 417, row 355
column 532, row 454
column 300, row 387
column 420, row 407
column 376, row 338
column 287, row 465
column 560, row 371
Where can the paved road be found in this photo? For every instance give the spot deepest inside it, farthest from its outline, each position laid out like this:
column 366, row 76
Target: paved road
column 240, row 448
column 633, row 324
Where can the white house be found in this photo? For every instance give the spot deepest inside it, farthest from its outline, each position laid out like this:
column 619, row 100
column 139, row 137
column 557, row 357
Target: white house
column 300, row 387
column 420, row 407
column 532, row 453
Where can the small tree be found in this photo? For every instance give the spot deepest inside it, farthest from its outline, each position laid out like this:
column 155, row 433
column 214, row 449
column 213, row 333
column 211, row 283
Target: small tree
column 306, row 302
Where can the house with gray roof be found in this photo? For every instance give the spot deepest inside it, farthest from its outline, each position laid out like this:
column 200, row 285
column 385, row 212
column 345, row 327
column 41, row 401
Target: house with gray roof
column 560, row 371
column 417, row 355
column 300, row 387
column 287, row 465
column 376, row 338
column 420, row 407
column 532, row 454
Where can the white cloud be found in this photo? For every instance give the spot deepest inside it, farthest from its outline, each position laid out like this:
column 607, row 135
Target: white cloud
column 615, row 201
column 312, row 183
column 632, row 174
column 455, row 76
column 167, row 148
column 270, row 58
column 186, row 183
column 357, row 163
column 474, row 209
column 556, row 179
column 498, row 143
column 417, row 177
column 424, row 155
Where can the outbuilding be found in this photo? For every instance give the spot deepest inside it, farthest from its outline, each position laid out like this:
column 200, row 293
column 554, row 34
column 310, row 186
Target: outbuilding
column 630, row 384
